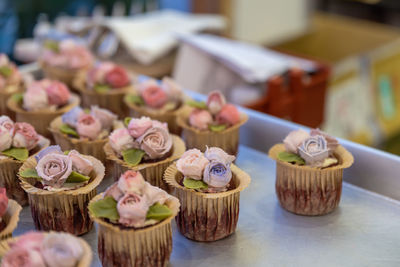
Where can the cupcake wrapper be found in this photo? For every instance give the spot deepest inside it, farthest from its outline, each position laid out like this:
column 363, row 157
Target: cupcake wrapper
column 152, row 172
column 62, row 211
column 11, row 218
column 150, row 246
column 92, row 148
column 84, row 262
column 64, row 75
column 309, row 191
column 207, row 216
column 40, row 119
column 228, row 139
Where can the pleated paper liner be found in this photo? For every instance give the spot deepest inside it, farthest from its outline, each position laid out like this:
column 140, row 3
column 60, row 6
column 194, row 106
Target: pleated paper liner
column 150, row 246
column 11, row 218
column 227, row 139
column 152, row 172
column 40, row 119
column 86, row 147
column 306, row 190
column 84, row 262
column 207, row 216
column 5, row 94
column 8, row 175
column 66, row 210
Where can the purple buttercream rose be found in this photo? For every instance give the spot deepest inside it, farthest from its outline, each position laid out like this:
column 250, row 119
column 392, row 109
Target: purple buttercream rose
column 71, row 117
column 314, row 150
column 50, row 149
column 217, row 174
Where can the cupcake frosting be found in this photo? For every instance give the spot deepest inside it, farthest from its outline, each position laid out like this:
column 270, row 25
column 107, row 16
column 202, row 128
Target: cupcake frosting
column 9, row 74
column 106, row 76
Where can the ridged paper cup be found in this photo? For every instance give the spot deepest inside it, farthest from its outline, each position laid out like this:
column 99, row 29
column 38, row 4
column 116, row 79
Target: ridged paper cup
column 5, row 94
column 8, row 175
column 152, row 172
column 11, row 218
column 227, row 139
column 40, row 119
column 65, row 211
column 207, row 216
column 309, row 191
column 86, row 147
column 150, row 246
column 86, row 260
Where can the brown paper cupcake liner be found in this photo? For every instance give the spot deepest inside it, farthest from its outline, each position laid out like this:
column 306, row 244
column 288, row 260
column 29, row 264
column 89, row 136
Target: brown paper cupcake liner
column 64, row 75
column 84, row 262
column 8, row 176
column 207, row 216
column 227, row 139
column 11, row 218
column 65, row 211
column 152, row 172
column 150, row 246
column 5, row 94
column 41, row 119
column 309, row 191
column 86, row 147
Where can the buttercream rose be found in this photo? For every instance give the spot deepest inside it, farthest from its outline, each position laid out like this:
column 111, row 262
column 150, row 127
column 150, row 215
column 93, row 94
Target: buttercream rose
column 25, row 136
column 314, row 150
column 217, row 174
column 155, row 195
column 332, row 142
column 88, row 127
column 35, row 97
column 154, row 96
column 117, row 77
column 79, row 163
column 69, row 55
column 21, row 257
column 156, row 142
column 131, row 182
column 192, row 164
column 48, row 150
column 97, row 75
column 3, row 202
column 71, row 117
column 57, row 93
column 54, row 169
column 215, row 102
column 121, row 140
column 5, row 139
column 7, row 123
column 229, row 115
column 217, row 154
column 105, row 116
column 200, row 119
column 173, row 90
column 61, row 250
column 114, row 192
column 137, row 127
column 294, row 139
column 132, row 210
column 30, row 241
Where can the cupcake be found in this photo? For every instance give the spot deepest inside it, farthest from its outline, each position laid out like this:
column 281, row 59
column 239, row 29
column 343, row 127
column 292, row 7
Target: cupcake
column 42, row 102
column 208, row 187
column 214, row 123
column 105, row 85
column 65, row 60
column 10, row 83
column 9, row 215
column 134, row 222
column 85, row 131
column 144, row 145
column 309, row 172
column 40, row 249
column 18, row 141
column 162, row 102
column 60, row 186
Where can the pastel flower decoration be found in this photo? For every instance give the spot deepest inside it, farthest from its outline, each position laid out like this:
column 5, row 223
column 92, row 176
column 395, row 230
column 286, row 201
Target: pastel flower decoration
column 105, row 116
column 131, row 182
column 61, row 250
column 137, row 127
column 132, row 210
column 154, row 96
column 200, row 119
column 192, row 164
column 155, row 195
column 5, row 139
column 314, row 150
column 173, row 90
column 219, row 155
column 117, row 77
column 71, row 117
column 79, row 163
column 57, row 93
column 294, row 140
column 97, row 75
column 3, row 202
column 35, row 97
column 25, row 136
column 215, row 102
column 332, row 142
column 217, row 174
column 88, row 127
column 30, row 241
column 7, row 123
column 21, row 257
column 114, row 192
column 56, row 149
column 229, row 115
column 54, row 169
column 156, row 142
column 121, row 140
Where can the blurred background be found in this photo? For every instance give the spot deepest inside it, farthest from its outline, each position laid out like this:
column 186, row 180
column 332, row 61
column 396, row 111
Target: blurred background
column 333, row 64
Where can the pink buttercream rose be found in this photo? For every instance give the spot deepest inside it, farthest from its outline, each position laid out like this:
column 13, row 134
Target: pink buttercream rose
column 21, row 257
column 137, row 127
column 200, row 119
column 215, row 102
column 35, row 97
column 229, row 115
column 79, row 163
column 132, row 210
column 155, row 194
column 121, row 140
column 131, row 182
column 6, row 139
column 7, row 123
column 105, row 116
column 54, row 169
column 294, row 140
column 154, row 96
column 69, row 55
column 88, row 127
column 30, row 241
column 117, row 77
column 3, row 202
column 192, row 164
column 61, row 250
column 114, row 192
column 156, row 142
column 25, row 136
column 173, row 90
column 57, row 93
column 97, row 75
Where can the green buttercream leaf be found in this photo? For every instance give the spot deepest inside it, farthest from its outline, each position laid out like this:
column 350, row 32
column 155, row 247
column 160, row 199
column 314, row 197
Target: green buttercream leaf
column 158, row 212
column 102, row 88
column 135, row 99
column 18, row 98
column 290, row 157
column 105, row 208
column 196, row 104
column 133, row 156
column 29, row 173
column 194, row 184
column 20, row 153
column 217, row 128
column 5, row 71
column 76, row 177
column 66, row 152
column 66, row 129
column 52, row 45
column 127, row 120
